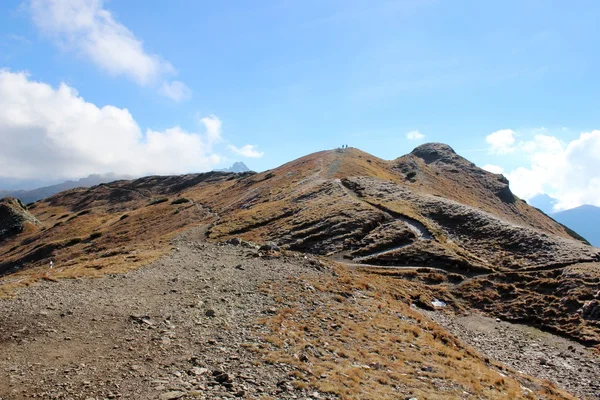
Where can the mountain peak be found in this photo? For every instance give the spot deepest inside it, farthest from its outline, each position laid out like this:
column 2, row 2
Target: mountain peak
column 237, row 167
column 431, row 152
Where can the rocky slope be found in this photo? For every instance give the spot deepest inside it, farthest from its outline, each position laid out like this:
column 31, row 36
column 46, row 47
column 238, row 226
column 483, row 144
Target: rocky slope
column 15, row 219
column 222, row 321
column 430, row 208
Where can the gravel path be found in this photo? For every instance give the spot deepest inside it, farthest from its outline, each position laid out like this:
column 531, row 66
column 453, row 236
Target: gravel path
column 529, row 350
column 182, row 327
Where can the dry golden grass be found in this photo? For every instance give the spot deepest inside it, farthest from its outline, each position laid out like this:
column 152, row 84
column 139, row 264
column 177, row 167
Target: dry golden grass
column 355, row 335
column 103, row 239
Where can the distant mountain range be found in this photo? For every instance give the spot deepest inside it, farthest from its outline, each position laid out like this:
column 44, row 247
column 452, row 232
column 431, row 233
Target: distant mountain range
column 544, row 203
column 237, row 167
column 29, row 196
column 585, row 220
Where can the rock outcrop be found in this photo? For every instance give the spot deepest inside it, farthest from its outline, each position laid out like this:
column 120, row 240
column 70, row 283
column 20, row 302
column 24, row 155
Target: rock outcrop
column 14, row 218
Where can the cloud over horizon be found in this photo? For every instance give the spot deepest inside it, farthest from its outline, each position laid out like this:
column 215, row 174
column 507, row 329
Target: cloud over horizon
column 569, row 172
column 53, row 133
column 91, row 31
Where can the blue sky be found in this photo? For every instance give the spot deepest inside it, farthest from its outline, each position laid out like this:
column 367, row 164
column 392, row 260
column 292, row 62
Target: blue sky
column 293, row 77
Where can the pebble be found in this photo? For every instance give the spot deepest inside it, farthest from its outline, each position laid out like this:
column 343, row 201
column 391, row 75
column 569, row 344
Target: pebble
column 172, row 395
column 210, row 313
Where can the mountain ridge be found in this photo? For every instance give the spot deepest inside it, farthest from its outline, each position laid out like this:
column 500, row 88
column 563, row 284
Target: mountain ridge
column 33, row 195
column 428, row 209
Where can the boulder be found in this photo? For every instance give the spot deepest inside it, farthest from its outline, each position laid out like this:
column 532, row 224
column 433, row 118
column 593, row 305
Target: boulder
column 14, row 218
column 591, row 310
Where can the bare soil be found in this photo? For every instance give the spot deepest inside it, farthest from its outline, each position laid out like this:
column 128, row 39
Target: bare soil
column 164, row 331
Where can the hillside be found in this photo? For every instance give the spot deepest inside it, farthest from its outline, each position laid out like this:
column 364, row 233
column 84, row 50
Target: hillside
column 426, row 225
column 584, row 220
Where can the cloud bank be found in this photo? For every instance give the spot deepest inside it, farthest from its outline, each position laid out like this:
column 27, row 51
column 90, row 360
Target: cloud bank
column 567, row 171
column 53, row 133
column 86, row 27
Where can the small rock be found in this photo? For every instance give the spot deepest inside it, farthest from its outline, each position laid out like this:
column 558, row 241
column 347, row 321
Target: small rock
column 210, row 313
column 269, row 246
column 172, row 395
column 199, row 371
column 222, row 377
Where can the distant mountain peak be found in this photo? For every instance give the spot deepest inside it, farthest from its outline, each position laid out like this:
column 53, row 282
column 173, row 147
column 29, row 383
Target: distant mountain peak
column 237, row 167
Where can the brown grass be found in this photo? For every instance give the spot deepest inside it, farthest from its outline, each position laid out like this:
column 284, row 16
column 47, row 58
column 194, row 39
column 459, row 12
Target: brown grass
column 98, row 240
column 355, row 335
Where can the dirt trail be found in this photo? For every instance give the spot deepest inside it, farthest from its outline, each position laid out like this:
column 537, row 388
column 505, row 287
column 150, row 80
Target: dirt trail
column 183, row 327
column 149, row 333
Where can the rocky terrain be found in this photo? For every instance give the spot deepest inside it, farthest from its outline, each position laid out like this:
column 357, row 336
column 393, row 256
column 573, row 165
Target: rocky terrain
column 528, row 350
column 429, row 222
column 231, row 321
column 184, row 326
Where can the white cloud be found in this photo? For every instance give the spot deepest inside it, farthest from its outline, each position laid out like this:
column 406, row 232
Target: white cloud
column 248, row 150
column 213, row 128
column 87, row 28
column 569, row 172
column 502, row 141
column 53, row 133
column 494, row 169
column 176, row 90
column 415, row 135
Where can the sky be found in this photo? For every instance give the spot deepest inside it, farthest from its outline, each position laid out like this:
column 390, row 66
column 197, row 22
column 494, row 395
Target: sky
column 149, row 87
